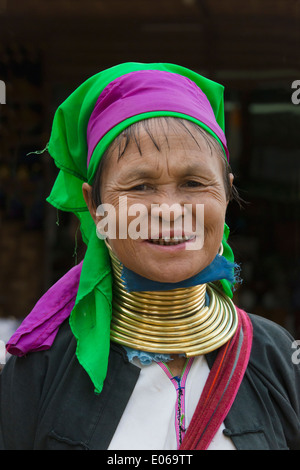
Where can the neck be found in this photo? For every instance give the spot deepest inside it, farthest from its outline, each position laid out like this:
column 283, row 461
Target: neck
column 174, row 321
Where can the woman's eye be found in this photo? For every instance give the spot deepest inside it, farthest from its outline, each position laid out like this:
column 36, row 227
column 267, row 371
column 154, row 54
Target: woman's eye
column 139, row 187
column 192, row 184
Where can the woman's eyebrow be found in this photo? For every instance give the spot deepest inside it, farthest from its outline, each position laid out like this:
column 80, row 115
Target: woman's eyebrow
column 140, row 173
column 195, row 169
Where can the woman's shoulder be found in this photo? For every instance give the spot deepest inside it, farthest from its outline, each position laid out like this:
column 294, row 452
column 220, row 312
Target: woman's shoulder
column 39, row 364
column 274, row 354
column 268, row 334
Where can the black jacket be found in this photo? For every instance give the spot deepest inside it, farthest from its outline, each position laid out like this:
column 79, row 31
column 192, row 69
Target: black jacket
column 48, row 400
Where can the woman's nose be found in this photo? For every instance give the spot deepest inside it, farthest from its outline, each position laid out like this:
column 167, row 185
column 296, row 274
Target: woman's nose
column 168, row 210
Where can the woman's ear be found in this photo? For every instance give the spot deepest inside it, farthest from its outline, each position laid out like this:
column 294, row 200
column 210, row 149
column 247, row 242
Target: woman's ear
column 87, row 194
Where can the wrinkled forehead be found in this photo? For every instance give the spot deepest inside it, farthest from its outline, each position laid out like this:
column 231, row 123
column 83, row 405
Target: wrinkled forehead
column 164, row 133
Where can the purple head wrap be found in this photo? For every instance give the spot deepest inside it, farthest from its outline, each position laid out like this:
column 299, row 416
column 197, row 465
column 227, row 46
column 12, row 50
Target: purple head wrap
column 149, row 91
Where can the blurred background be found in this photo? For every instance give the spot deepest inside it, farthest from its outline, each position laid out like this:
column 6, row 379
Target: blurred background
column 49, row 47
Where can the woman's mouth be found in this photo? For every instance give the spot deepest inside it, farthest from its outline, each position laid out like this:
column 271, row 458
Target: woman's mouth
column 170, row 241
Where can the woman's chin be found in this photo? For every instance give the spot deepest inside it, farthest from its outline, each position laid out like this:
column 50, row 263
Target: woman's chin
column 171, row 276
column 162, row 267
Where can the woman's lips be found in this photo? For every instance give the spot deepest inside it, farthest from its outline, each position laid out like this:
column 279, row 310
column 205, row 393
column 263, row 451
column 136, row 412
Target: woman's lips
column 170, row 243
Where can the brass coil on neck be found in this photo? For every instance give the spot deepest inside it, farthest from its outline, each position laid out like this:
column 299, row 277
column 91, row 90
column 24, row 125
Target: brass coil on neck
column 171, row 321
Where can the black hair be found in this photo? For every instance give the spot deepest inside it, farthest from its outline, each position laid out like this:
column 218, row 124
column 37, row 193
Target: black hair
column 132, row 132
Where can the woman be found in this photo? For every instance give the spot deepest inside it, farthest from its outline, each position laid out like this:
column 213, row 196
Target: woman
column 140, row 346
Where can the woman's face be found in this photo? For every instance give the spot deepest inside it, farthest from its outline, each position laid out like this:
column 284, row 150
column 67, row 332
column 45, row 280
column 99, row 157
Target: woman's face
column 185, row 172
